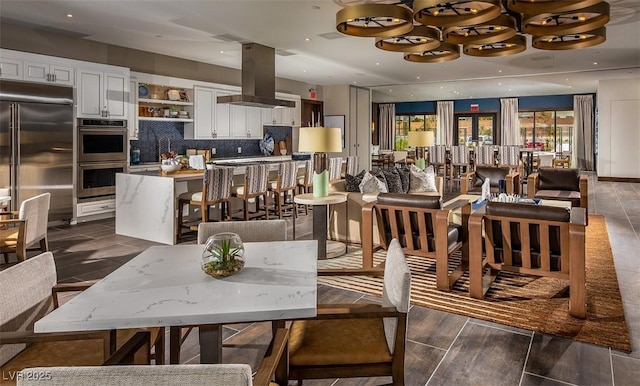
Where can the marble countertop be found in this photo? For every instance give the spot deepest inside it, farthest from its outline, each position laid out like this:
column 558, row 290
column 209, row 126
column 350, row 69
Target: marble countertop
column 165, row 286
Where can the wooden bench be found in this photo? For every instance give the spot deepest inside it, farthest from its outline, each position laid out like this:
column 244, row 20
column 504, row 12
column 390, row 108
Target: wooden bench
column 529, row 239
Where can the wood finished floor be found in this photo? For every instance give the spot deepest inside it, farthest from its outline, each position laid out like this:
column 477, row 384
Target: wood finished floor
column 442, row 348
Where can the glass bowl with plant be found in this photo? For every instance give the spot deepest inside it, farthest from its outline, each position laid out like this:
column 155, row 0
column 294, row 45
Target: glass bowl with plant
column 223, row 255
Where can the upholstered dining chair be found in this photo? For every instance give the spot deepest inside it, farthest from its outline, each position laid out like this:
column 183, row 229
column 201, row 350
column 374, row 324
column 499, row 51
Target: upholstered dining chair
column 283, row 187
column 438, row 158
column 216, row 189
column 28, row 291
column 484, row 156
column 256, row 179
column 509, row 155
column 459, row 163
column 30, row 227
column 305, row 181
column 352, row 165
column 249, row 231
column 274, row 362
column 357, row 339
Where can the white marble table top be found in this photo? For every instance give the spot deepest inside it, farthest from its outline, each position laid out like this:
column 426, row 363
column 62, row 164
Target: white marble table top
column 310, row 199
column 164, row 286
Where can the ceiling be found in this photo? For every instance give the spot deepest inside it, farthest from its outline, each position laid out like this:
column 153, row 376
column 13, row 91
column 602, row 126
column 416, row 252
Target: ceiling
column 309, row 49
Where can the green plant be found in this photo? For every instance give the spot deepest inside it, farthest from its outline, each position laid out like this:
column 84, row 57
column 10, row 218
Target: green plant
column 223, row 255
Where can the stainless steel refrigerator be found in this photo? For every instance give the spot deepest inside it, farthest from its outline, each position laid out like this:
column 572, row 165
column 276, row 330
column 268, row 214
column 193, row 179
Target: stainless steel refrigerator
column 36, row 144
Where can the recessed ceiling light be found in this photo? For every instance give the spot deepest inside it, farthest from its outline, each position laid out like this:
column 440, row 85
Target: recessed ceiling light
column 417, row 77
column 354, row 82
column 377, row 64
column 509, row 89
column 499, row 70
column 221, row 51
column 390, row 90
column 69, row 15
column 570, row 86
column 595, row 63
column 307, row 40
column 441, row 87
column 499, row 84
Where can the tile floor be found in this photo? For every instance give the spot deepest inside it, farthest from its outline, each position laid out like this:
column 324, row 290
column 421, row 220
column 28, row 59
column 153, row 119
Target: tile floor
column 442, row 348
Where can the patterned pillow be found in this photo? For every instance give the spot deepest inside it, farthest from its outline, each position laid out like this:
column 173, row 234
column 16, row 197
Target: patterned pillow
column 371, row 184
column 422, row 181
column 394, row 183
column 404, row 172
column 352, row 183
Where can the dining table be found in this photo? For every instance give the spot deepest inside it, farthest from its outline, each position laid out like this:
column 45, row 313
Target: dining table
column 164, row 286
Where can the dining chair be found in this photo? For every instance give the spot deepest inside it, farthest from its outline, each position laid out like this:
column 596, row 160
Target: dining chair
column 216, row 189
column 438, row 158
column 356, row 339
column 256, row 178
column 509, row 155
column 459, row 163
column 249, row 231
column 485, row 156
column 30, row 227
column 29, row 291
column 191, row 374
column 283, row 187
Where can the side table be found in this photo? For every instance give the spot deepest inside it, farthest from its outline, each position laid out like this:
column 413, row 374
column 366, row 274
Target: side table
column 327, row 249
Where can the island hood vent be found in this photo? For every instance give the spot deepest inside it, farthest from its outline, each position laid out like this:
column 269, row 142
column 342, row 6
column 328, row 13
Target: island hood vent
column 258, row 79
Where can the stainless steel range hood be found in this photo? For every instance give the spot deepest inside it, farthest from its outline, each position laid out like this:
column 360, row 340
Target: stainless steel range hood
column 258, row 79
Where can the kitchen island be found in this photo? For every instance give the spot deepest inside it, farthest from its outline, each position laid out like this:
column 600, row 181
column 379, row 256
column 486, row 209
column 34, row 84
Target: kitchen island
column 147, row 202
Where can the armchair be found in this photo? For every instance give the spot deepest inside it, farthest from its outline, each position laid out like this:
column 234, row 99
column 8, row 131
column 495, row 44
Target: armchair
column 422, row 227
column 472, row 182
column 28, row 228
column 529, row 239
column 356, row 340
column 563, row 184
column 28, row 291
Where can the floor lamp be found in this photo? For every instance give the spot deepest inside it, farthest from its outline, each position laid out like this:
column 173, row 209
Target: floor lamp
column 420, row 139
column 320, row 140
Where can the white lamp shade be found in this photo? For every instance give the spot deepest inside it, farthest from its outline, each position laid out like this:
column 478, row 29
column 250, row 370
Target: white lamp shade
column 420, row 138
column 320, row 139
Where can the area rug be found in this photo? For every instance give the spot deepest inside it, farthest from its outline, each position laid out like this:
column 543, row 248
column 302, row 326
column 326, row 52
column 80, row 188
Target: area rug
column 537, row 304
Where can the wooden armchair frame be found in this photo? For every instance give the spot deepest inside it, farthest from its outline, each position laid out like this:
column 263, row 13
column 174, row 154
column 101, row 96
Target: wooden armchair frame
column 571, row 241
column 9, row 227
column 441, row 252
column 467, row 182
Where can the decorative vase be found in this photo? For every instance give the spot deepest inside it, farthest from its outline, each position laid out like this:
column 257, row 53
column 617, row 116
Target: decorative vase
column 223, row 255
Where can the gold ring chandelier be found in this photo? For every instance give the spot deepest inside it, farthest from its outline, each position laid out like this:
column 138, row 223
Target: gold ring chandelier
column 431, row 31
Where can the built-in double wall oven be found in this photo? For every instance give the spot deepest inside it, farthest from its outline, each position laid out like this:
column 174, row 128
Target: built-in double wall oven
column 102, row 152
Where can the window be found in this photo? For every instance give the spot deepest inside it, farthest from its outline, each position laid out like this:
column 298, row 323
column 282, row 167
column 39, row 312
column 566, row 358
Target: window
column 474, row 128
column 546, row 130
column 405, row 123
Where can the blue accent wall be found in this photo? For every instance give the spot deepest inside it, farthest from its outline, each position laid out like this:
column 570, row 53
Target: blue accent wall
column 555, row 102
column 151, row 132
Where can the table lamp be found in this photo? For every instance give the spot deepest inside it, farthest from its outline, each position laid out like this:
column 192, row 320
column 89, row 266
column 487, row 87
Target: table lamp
column 420, row 139
column 320, row 140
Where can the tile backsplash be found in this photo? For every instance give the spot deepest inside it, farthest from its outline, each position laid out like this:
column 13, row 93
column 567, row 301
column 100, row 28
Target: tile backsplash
column 155, row 138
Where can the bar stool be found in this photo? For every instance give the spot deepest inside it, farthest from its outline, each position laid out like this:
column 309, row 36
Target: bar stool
column 438, row 158
column 305, row 182
column 335, row 169
column 352, row 165
column 256, row 178
column 216, row 189
column 285, row 183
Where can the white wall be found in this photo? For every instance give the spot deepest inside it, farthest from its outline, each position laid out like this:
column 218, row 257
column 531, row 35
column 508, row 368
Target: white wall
column 619, row 128
column 336, row 102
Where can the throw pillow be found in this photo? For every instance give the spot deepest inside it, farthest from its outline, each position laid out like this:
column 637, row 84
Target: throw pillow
column 371, row 184
column 422, row 181
column 404, row 172
column 394, row 183
column 352, row 183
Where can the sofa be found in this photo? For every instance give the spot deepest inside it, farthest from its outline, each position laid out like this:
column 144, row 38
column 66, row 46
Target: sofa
column 346, row 219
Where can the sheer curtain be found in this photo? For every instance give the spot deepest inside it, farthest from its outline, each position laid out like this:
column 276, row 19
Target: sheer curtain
column 582, row 152
column 445, row 123
column 387, row 126
column 509, row 123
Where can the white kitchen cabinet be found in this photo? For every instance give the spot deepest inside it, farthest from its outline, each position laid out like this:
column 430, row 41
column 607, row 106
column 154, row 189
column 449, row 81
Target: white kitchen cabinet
column 285, row 116
column 133, row 109
column 223, row 113
column 254, row 122
column 204, row 116
column 238, row 121
column 102, row 94
column 10, row 69
column 48, row 73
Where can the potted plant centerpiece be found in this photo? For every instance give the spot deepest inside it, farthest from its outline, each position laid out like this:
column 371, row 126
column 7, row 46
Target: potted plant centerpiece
column 223, row 255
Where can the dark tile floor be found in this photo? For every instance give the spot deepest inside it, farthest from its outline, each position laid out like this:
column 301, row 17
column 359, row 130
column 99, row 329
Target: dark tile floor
column 442, row 348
